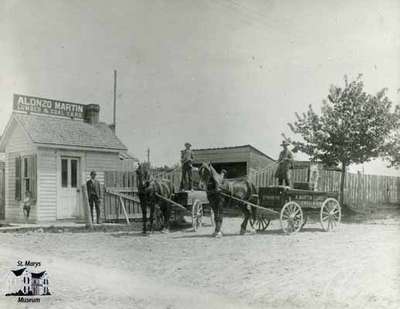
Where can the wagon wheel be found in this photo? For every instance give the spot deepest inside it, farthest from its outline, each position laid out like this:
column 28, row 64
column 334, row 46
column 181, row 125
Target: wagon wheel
column 197, row 214
column 331, row 214
column 260, row 223
column 291, row 217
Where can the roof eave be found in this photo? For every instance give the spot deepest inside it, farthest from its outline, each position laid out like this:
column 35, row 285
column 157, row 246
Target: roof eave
column 76, row 147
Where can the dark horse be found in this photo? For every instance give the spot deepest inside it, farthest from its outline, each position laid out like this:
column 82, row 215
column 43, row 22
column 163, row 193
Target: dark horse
column 148, row 189
column 219, row 190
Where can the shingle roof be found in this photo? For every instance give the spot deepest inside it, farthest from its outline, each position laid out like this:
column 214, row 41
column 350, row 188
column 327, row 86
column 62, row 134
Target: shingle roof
column 68, row 132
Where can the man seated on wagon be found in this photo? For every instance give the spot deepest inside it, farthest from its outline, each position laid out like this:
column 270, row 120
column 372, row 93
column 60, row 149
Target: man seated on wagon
column 285, row 164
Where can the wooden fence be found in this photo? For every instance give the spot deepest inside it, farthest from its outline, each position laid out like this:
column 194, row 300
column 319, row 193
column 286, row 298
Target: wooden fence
column 360, row 191
column 120, row 199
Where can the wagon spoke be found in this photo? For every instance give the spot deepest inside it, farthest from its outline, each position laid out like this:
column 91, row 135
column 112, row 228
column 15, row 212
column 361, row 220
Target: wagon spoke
column 325, row 218
column 264, row 226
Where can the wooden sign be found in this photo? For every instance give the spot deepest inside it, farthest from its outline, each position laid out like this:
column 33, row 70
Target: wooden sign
column 48, row 106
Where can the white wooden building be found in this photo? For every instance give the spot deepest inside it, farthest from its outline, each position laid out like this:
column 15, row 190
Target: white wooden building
column 51, row 153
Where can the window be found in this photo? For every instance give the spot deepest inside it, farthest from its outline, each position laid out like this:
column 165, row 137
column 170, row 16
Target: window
column 69, row 172
column 18, row 178
column 64, row 173
column 74, row 173
column 25, row 176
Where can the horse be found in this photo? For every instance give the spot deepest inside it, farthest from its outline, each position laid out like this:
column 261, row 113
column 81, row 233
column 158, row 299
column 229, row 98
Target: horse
column 239, row 188
column 148, row 189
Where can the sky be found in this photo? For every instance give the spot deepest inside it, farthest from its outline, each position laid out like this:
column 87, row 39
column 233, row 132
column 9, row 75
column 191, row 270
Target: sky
column 212, row 72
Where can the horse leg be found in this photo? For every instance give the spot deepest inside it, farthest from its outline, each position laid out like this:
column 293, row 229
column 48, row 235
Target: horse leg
column 246, row 214
column 214, row 214
column 152, row 206
column 166, row 214
column 144, row 217
column 219, row 216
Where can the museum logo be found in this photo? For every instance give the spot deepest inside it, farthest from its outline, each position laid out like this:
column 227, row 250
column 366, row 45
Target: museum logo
column 27, row 282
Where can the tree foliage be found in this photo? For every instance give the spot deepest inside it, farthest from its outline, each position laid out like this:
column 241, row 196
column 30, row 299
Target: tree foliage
column 353, row 126
column 392, row 149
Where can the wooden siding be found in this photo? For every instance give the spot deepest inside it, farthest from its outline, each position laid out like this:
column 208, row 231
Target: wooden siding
column 48, row 175
column 2, row 190
column 101, row 162
column 258, row 161
column 47, row 185
column 18, row 145
column 221, row 155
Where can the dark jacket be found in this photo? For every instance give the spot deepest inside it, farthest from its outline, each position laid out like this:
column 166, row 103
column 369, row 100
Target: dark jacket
column 93, row 188
column 285, row 163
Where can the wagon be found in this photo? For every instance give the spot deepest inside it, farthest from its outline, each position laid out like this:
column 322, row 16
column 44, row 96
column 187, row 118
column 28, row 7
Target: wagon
column 191, row 203
column 293, row 206
column 196, row 203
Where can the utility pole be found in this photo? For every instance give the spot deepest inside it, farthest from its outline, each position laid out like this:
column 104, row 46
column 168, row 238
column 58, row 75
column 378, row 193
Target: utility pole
column 148, row 155
column 115, row 101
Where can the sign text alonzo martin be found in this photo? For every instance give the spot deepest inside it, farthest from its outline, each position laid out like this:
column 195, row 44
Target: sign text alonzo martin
column 47, row 106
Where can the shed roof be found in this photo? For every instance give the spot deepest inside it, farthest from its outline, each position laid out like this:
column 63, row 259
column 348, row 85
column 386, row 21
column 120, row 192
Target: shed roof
column 248, row 146
column 53, row 131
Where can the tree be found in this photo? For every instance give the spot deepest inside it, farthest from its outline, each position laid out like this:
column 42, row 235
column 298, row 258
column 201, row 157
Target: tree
column 392, row 149
column 352, row 127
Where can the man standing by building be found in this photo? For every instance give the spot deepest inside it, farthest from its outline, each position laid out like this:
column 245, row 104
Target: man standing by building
column 285, row 164
column 187, row 161
column 94, row 195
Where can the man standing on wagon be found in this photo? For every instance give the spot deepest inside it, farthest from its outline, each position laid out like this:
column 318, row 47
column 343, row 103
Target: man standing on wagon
column 285, row 164
column 187, row 161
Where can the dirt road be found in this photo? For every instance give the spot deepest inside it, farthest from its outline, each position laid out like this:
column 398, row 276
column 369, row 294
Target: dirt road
column 355, row 267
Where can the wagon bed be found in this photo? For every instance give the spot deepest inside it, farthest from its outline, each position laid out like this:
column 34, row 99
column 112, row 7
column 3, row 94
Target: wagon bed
column 289, row 205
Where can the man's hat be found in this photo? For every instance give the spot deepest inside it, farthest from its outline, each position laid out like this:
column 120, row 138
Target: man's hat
column 188, row 144
column 224, row 171
column 285, row 143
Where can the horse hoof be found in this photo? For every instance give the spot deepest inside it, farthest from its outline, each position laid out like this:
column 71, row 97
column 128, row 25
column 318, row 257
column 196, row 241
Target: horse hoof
column 242, row 232
column 218, row 235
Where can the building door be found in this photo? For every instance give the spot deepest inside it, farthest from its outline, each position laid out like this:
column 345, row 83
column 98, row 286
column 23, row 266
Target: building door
column 69, row 180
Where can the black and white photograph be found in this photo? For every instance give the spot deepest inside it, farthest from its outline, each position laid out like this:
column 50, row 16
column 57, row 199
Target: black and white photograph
column 192, row 154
